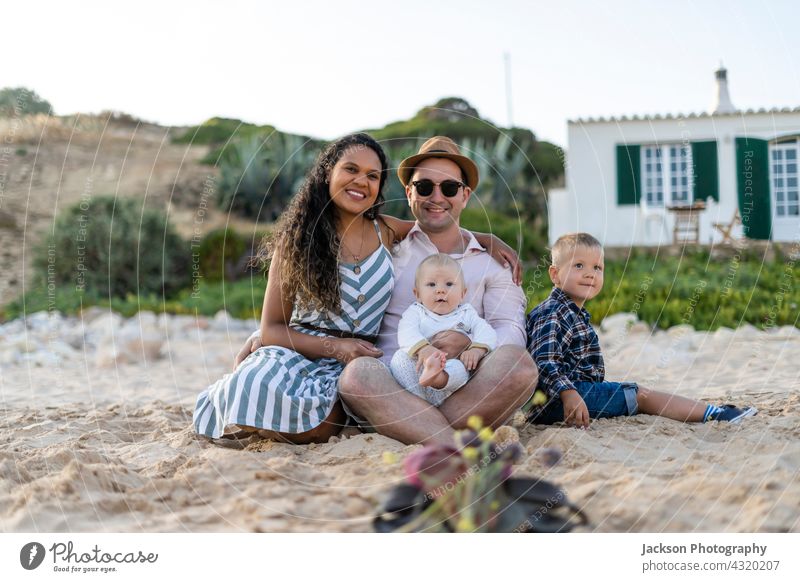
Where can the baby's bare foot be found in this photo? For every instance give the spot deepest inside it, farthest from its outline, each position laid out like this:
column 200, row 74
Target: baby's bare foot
column 433, row 374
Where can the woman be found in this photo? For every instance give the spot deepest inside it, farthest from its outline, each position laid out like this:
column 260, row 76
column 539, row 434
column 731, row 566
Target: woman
column 330, row 281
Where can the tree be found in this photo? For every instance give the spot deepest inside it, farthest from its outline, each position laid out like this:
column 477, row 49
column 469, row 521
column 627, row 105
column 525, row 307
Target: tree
column 18, row 101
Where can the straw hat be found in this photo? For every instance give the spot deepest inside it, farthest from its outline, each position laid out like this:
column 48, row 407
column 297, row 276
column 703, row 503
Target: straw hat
column 439, row 147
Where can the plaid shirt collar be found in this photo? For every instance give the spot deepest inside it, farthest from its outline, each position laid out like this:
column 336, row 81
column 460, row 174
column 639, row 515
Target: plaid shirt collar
column 559, row 296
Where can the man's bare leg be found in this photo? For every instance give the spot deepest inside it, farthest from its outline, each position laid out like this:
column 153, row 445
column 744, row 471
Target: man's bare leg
column 504, row 381
column 368, row 388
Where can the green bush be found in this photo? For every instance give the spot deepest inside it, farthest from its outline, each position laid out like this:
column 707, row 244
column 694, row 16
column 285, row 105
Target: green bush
column 218, row 130
column 691, row 289
column 514, row 231
column 18, row 101
column 113, row 247
column 242, row 299
column 219, row 252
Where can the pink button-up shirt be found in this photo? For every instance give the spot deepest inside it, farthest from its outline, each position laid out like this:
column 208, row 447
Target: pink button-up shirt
column 490, row 290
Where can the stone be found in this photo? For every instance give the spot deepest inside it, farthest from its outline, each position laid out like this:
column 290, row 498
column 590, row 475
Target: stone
column 678, row 331
column 105, row 325
column 618, row 322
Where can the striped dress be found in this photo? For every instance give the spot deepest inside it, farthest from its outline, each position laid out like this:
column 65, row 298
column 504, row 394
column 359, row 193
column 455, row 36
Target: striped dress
column 277, row 388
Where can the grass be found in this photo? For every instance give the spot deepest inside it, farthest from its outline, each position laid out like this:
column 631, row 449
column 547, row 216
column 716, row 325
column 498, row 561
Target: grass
column 662, row 291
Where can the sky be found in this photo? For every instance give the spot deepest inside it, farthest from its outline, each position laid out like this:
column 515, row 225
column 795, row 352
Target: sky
column 328, row 68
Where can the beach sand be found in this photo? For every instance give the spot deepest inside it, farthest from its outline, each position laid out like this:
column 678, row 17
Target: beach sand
column 97, row 438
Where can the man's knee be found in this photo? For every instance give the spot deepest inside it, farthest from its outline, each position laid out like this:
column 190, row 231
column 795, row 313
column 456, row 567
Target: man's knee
column 519, row 370
column 358, row 377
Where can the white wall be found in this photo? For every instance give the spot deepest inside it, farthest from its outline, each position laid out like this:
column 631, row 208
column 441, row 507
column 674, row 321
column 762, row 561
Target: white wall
column 589, row 201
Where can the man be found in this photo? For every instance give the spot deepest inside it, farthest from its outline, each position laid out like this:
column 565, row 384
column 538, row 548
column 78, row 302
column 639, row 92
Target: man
column 507, row 376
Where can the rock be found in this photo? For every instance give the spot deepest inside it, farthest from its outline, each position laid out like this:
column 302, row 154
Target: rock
column 639, row 327
column 20, row 343
column 89, row 314
column 44, row 321
column 678, row 331
column 13, row 327
column 222, row 322
column 105, row 325
column 787, row 331
column 747, row 331
column 619, row 322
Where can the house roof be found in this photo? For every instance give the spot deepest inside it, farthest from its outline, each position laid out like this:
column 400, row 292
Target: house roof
column 702, row 115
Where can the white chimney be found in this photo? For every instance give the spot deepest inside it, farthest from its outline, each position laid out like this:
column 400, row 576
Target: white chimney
column 722, row 101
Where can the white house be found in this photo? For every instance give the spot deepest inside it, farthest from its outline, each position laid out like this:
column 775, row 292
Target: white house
column 628, row 177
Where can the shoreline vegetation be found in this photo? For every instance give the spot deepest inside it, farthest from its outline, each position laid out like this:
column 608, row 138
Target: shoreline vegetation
column 692, row 289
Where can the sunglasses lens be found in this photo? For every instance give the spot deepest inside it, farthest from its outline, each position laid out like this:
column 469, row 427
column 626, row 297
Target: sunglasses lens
column 450, row 188
column 424, row 187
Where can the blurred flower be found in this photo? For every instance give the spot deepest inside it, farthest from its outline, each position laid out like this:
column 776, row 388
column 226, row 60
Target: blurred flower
column 390, row 458
column 465, row 525
column 475, row 422
column 550, row 456
column 434, row 467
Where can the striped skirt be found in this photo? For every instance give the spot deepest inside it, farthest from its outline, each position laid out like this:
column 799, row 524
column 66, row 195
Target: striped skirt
column 275, row 388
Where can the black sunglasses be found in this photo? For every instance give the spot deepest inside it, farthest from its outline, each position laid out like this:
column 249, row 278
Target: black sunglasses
column 449, row 187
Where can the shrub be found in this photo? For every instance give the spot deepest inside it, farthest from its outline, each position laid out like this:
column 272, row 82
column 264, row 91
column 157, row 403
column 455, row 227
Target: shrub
column 218, row 130
column 514, row 231
column 220, row 252
column 18, row 101
column 112, row 247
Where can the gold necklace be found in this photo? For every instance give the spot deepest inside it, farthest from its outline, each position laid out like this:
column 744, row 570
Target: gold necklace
column 356, row 256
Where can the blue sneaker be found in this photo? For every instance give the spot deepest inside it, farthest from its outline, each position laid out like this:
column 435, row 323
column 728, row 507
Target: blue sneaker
column 729, row 413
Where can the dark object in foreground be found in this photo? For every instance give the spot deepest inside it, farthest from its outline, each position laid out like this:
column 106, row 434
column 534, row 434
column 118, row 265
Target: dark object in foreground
column 526, row 506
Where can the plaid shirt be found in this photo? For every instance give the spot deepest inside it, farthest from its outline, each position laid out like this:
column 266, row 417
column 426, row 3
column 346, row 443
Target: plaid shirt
column 563, row 344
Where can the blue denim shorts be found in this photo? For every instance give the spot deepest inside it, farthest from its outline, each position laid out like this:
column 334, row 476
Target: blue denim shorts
column 603, row 399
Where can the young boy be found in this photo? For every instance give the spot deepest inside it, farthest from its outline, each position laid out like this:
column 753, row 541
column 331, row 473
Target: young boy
column 567, row 352
column 439, row 288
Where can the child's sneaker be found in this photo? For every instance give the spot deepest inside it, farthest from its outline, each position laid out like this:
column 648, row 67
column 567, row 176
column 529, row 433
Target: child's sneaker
column 729, row 413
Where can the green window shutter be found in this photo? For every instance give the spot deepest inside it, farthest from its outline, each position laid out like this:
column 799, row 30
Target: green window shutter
column 706, row 170
column 628, row 174
column 752, row 177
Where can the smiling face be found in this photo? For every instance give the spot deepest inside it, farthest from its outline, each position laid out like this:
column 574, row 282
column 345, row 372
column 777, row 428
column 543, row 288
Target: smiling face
column 579, row 273
column 440, row 288
column 355, row 180
column 437, row 213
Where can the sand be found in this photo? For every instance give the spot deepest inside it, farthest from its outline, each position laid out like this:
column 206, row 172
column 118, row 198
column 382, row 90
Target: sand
column 92, row 444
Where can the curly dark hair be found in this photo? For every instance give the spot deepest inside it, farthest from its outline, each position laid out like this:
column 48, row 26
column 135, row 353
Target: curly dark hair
column 306, row 237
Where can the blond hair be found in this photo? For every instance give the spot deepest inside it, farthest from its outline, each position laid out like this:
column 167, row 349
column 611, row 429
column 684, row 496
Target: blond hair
column 440, row 260
column 567, row 243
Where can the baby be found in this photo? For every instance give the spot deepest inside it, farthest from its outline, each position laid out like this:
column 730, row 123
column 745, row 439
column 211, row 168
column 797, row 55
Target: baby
column 439, row 288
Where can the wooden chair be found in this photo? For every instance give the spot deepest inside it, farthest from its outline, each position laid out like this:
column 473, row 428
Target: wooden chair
column 726, row 228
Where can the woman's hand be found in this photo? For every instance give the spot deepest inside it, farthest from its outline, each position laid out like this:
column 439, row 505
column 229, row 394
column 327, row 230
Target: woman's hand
column 502, row 253
column 251, row 345
column 345, row 350
column 505, row 255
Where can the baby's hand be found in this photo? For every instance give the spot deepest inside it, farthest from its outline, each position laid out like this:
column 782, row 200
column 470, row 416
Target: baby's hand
column 471, row 357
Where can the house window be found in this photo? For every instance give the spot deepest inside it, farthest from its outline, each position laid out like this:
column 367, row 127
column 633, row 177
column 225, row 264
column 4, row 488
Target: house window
column 667, row 174
column 783, row 166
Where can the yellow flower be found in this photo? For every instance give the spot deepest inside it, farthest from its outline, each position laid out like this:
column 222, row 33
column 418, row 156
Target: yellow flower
column 486, row 434
column 465, row 525
column 470, row 453
column 539, row 398
column 390, row 458
column 494, row 505
column 475, row 422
